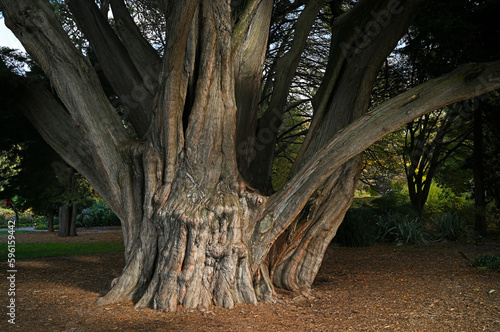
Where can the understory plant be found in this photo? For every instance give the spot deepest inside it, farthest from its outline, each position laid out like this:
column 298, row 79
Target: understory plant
column 99, row 214
column 401, row 229
column 356, row 230
column 488, row 261
column 450, row 226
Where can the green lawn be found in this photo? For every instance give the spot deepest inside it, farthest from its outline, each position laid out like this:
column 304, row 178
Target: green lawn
column 31, row 250
column 17, row 232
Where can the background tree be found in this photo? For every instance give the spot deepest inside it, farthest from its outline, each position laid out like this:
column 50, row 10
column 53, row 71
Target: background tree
column 31, row 169
column 491, row 152
column 429, row 142
column 436, row 45
column 200, row 224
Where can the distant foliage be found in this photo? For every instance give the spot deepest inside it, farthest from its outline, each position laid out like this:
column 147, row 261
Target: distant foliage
column 442, row 200
column 401, row 229
column 41, row 222
column 25, row 218
column 356, row 229
column 488, row 261
column 390, row 218
column 450, row 226
column 99, row 214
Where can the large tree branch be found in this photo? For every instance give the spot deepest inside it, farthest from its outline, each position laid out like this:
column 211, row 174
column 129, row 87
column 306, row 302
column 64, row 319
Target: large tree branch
column 466, row 82
column 76, row 84
column 59, row 130
column 285, row 71
column 144, row 56
column 245, row 22
column 287, row 64
column 362, row 39
column 249, row 50
column 136, row 91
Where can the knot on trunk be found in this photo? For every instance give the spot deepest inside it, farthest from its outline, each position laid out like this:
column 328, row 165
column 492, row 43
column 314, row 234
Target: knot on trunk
column 216, row 251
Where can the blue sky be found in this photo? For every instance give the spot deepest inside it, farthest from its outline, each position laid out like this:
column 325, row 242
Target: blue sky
column 7, row 38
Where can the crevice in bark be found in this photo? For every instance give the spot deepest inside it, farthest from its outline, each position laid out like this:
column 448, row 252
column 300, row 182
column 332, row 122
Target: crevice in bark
column 263, row 284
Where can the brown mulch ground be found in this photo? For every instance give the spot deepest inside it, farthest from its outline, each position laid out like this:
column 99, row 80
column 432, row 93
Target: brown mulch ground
column 381, row 288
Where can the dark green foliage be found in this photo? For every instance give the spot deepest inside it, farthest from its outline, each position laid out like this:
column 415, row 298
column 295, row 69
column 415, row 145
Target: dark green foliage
column 356, row 230
column 394, row 202
column 450, row 226
column 99, row 214
column 450, row 32
column 390, row 219
column 488, row 261
column 384, row 219
column 401, row 229
column 41, row 223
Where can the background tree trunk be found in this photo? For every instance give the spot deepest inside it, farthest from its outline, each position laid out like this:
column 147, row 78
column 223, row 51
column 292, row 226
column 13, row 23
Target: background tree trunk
column 480, row 224
column 50, row 221
column 72, row 223
column 64, row 220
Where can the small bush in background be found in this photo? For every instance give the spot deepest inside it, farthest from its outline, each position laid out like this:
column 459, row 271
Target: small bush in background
column 41, row 223
column 356, row 229
column 25, row 219
column 99, row 214
column 442, row 200
column 450, row 226
column 4, row 218
column 401, row 229
column 488, row 261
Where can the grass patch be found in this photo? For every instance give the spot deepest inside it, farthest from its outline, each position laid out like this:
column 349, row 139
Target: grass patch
column 32, row 250
column 17, row 232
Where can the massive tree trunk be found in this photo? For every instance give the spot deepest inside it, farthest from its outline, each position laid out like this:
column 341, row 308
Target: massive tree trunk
column 195, row 233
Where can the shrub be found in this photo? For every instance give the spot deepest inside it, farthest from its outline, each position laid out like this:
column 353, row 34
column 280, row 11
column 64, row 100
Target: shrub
column 41, row 222
column 388, row 201
column 488, row 261
column 449, row 226
column 442, row 200
column 355, row 230
column 4, row 218
column 99, row 214
column 26, row 220
column 401, row 229
column 393, row 202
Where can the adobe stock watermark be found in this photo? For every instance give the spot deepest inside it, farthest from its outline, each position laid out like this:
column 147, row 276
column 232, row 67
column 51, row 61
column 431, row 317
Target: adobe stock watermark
column 11, row 271
column 364, row 34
